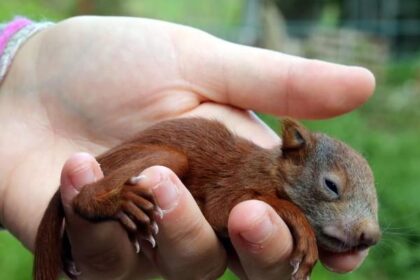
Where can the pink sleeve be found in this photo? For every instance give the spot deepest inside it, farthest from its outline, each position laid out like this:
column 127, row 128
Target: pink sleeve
column 10, row 30
column 13, row 36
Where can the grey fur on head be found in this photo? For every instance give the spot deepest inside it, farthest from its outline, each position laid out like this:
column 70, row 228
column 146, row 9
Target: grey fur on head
column 337, row 193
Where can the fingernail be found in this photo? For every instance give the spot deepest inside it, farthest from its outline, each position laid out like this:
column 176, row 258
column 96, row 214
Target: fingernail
column 260, row 232
column 166, row 194
column 82, row 175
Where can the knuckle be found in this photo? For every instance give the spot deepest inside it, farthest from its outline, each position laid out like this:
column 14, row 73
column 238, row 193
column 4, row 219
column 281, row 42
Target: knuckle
column 187, row 233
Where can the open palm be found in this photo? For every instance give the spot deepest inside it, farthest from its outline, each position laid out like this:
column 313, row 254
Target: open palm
column 88, row 83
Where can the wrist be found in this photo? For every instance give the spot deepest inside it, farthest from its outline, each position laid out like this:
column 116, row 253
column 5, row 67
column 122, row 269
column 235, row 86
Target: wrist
column 25, row 146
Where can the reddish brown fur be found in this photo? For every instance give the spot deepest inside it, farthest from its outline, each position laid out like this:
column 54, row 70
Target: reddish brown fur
column 214, row 164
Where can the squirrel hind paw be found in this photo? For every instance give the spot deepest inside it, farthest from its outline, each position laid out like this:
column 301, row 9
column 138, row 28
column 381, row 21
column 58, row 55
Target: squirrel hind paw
column 138, row 212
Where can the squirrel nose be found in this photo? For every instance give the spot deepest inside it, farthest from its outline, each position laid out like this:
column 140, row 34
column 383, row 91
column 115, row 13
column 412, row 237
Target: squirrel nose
column 369, row 235
column 359, row 237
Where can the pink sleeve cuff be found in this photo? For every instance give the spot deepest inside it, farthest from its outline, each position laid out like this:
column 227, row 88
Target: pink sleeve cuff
column 13, row 36
column 10, row 30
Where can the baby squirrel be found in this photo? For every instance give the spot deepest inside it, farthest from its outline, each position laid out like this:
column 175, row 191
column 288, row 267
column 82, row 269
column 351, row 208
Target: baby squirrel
column 320, row 187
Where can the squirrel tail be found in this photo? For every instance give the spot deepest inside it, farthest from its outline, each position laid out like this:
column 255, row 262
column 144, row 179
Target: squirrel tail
column 48, row 246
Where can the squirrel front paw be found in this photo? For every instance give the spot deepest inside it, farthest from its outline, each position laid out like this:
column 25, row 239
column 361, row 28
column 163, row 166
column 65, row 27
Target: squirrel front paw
column 305, row 251
column 304, row 255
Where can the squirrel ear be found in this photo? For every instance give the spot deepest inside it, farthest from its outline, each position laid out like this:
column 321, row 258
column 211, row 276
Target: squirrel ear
column 294, row 135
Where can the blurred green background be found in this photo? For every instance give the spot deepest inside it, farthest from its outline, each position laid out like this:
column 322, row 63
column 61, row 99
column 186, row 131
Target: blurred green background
column 381, row 35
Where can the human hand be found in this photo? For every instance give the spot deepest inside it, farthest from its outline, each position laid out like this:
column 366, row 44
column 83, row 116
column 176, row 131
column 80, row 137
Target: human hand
column 89, row 83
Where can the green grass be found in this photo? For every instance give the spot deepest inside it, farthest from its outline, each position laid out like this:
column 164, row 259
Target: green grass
column 15, row 260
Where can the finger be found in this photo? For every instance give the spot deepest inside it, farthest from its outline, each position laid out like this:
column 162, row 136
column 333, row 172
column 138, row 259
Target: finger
column 276, row 83
column 262, row 240
column 342, row 262
column 186, row 243
column 100, row 249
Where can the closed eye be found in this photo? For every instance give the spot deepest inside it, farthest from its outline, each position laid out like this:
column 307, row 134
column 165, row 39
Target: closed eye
column 331, row 186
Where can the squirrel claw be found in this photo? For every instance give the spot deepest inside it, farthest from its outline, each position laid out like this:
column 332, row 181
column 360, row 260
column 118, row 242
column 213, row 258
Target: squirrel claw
column 136, row 244
column 295, row 264
column 72, row 269
column 135, row 179
column 159, row 212
column 151, row 240
column 155, row 228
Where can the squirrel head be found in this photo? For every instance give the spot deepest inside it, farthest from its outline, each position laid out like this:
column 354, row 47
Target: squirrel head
column 333, row 185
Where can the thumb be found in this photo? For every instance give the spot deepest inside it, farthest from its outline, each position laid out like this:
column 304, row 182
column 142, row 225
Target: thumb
column 272, row 82
column 79, row 170
column 100, row 249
